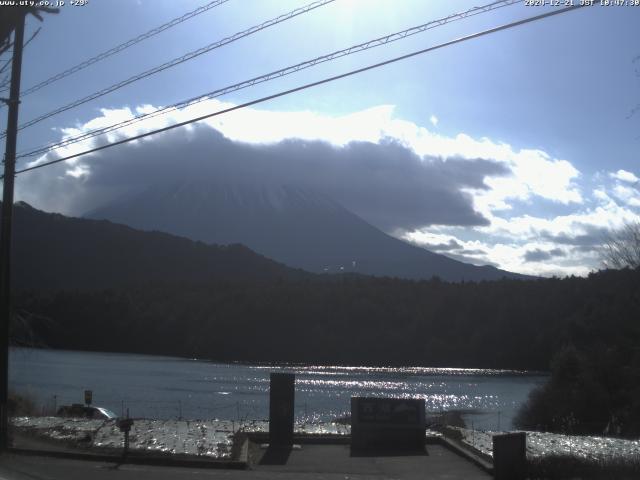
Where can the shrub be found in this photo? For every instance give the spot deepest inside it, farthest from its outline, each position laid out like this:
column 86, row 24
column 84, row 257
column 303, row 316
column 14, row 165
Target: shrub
column 20, row 405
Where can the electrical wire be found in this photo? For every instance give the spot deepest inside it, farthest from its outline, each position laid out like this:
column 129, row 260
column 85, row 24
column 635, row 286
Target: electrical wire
column 177, row 61
column 121, row 47
column 276, row 74
column 306, row 86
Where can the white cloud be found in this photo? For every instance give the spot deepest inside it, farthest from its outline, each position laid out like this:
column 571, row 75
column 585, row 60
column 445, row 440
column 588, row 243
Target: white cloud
column 625, row 176
column 628, row 195
column 601, row 195
column 509, row 256
column 583, row 222
column 434, row 120
column 263, row 126
column 534, row 172
column 505, row 242
column 78, row 171
column 621, row 187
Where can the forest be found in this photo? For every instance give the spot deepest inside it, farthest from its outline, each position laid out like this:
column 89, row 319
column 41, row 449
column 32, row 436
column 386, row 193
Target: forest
column 510, row 324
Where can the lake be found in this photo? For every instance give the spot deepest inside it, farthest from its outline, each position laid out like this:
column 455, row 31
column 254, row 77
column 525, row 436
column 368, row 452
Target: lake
column 168, row 387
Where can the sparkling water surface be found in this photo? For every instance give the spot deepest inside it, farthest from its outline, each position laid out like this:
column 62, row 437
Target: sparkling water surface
column 170, row 388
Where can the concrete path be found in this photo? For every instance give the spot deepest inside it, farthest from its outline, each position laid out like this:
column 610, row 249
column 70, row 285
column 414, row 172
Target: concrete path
column 436, row 463
column 330, row 462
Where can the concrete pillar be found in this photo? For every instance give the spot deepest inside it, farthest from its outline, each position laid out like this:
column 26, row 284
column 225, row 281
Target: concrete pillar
column 281, row 406
column 510, row 456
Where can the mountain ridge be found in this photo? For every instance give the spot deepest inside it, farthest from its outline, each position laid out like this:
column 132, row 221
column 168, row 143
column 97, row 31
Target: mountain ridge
column 292, row 225
column 51, row 250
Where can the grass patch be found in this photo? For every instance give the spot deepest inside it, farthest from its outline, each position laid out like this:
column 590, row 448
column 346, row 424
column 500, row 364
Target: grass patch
column 552, row 467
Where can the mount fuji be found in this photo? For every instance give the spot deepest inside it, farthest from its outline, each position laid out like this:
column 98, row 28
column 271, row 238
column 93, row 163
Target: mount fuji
column 296, row 226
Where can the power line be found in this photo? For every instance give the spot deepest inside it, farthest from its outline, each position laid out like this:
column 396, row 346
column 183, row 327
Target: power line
column 122, row 46
column 176, row 61
column 306, row 86
column 277, row 74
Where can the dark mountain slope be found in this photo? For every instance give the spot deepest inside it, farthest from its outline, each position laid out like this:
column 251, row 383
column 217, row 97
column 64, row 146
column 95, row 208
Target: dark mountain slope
column 54, row 251
column 298, row 227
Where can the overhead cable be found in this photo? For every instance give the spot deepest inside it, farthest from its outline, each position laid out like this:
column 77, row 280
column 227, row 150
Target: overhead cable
column 306, row 86
column 121, row 47
column 177, row 61
column 273, row 75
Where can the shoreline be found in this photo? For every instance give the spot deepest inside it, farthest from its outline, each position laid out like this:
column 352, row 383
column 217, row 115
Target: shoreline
column 377, row 367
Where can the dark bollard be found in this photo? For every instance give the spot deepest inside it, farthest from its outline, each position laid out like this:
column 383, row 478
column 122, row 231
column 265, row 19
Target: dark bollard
column 281, row 404
column 510, row 456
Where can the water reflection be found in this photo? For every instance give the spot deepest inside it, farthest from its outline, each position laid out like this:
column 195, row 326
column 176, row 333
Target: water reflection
column 171, row 388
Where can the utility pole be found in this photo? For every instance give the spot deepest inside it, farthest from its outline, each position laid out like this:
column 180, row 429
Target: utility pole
column 5, row 237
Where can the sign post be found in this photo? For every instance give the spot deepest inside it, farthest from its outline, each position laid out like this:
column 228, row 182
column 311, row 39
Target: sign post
column 125, row 425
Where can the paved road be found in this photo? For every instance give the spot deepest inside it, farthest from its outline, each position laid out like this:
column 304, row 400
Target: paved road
column 317, row 462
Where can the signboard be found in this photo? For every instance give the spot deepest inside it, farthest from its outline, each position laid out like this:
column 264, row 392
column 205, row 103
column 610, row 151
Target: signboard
column 387, row 423
column 88, row 397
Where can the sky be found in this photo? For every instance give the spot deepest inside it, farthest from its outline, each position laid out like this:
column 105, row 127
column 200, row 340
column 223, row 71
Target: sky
column 518, row 149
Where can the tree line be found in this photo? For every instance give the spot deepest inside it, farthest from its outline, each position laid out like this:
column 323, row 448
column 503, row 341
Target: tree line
column 346, row 319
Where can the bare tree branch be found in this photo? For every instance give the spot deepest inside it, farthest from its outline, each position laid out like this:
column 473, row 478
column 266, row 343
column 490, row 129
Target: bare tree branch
column 9, row 17
column 622, row 247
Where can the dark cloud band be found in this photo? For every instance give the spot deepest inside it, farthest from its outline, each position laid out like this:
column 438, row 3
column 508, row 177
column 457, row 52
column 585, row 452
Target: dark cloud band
column 386, row 183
